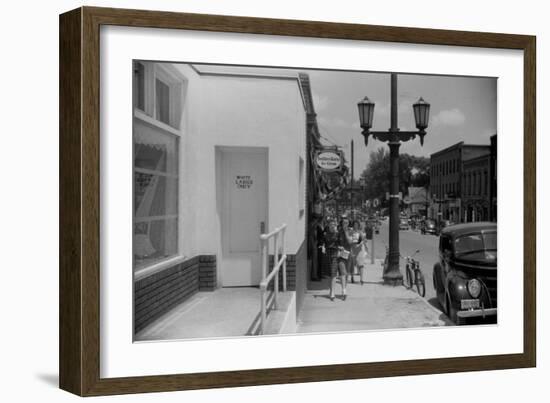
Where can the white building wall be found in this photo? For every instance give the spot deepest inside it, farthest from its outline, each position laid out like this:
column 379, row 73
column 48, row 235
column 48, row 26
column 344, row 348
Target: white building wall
column 188, row 241
column 231, row 111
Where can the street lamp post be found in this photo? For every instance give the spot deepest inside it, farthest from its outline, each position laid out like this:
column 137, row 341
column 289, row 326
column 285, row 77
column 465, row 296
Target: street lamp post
column 394, row 137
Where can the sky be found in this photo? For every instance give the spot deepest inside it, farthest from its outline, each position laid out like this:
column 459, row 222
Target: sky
column 462, row 108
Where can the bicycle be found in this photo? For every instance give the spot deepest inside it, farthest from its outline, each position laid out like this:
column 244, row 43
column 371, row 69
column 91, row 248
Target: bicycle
column 412, row 269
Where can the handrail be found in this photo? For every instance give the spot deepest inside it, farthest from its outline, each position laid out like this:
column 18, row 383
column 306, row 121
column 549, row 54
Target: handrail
column 265, row 282
column 272, row 233
column 279, row 261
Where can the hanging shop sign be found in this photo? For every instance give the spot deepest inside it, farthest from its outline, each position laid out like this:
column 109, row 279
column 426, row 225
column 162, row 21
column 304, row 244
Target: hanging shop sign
column 329, row 160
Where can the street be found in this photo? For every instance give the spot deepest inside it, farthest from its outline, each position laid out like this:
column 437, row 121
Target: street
column 409, row 242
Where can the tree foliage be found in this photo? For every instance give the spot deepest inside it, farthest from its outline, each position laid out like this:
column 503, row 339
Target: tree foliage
column 413, row 171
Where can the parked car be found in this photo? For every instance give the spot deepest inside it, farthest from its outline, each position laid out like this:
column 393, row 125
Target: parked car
column 465, row 277
column 428, row 227
column 404, row 223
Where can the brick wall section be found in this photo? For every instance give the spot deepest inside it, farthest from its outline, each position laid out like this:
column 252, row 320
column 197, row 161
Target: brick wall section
column 156, row 294
column 290, row 273
column 207, row 272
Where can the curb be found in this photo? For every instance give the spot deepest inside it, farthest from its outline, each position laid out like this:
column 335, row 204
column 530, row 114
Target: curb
column 432, row 308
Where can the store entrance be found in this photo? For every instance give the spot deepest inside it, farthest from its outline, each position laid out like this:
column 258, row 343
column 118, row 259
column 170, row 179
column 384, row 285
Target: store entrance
column 244, row 213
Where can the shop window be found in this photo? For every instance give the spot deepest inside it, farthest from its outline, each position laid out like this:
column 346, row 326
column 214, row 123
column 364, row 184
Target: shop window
column 162, row 101
column 158, row 99
column 155, row 197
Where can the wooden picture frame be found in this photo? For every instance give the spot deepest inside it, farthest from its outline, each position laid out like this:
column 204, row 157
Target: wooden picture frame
column 80, row 184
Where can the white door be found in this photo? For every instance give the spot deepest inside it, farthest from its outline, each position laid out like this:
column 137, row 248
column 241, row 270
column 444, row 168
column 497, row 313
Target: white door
column 244, row 214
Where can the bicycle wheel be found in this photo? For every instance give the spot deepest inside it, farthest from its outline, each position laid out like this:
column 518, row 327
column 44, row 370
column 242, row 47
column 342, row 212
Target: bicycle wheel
column 421, row 284
column 409, row 277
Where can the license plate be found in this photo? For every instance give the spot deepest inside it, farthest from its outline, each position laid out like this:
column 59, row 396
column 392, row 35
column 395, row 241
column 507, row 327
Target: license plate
column 469, row 304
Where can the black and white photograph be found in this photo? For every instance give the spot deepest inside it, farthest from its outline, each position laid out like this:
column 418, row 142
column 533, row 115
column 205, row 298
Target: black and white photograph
column 246, row 201
column 281, row 201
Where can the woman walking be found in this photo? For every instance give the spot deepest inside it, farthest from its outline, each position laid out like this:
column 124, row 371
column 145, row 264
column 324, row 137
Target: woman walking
column 357, row 246
column 336, row 257
column 362, row 254
column 344, row 254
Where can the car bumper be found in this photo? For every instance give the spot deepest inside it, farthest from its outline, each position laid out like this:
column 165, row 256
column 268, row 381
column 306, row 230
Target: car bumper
column 477, row 313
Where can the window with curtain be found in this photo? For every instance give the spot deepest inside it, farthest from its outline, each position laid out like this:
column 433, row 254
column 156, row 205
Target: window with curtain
column 158, row 102
column 155, row 197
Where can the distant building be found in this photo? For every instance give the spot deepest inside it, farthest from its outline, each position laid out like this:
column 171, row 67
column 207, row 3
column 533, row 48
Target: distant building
column 479, row 186
column 476, row 189
column 418, row 201
column 446, row 179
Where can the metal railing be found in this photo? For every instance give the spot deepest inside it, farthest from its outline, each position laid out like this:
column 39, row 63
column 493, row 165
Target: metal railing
column 279, row 261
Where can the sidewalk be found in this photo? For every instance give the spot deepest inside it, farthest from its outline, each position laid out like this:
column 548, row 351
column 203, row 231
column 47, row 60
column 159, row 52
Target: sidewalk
column 367, row 307
column 231, row 312
column 226, row 312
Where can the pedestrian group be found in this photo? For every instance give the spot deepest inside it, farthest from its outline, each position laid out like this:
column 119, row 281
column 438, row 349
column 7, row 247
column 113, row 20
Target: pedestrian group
column 344, row 252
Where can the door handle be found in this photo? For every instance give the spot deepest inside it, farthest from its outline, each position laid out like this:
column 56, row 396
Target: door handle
column 262, row 227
